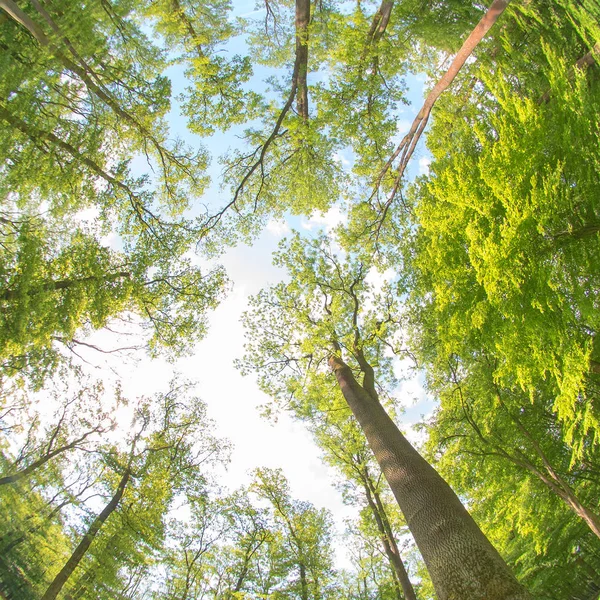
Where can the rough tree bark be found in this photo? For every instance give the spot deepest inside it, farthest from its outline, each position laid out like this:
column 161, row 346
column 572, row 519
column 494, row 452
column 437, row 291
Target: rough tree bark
column 461, row 561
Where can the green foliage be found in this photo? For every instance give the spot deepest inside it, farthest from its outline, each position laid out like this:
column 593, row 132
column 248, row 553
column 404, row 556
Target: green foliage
column 327, row 301
column 507, row 236
column 496, row 256
column 87, row 235
column 307, row 534
column 499, row 250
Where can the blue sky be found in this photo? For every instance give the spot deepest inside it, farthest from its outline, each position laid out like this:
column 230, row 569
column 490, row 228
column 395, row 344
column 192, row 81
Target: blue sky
column 234, row 401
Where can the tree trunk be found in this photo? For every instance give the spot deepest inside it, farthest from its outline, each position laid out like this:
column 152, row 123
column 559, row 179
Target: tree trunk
column 563, row 490
column 42, row 460
column 59, row 581
column 302, row 21
column 389, row 544
column 549, row 476
column 303, row 583
column 409, row 142
column 461, row 561
column 380, row 21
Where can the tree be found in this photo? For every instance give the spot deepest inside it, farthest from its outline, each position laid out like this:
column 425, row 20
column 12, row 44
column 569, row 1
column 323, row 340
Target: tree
column 85, row 97
column 169, row 443
column 324, row 306
column 307, row 532
column 505, row 269
column 32, row 532
column 77, row 425
column 408, row 144
column 345, row 448
column 504, row 424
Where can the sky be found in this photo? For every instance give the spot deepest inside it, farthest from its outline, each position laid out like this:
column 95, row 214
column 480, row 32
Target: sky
column 234, row 401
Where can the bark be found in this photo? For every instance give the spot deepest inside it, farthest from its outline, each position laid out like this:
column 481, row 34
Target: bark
column 298, row 91
column 302, row 21
column 179, row 12
column 461, row 561
column 380, row 21
column 38, row 136
column 303, row 583
column 560, row 487
column 407, row 588
column 59, row 581
column 407, row 146
column 388, row 540
column 25, row 20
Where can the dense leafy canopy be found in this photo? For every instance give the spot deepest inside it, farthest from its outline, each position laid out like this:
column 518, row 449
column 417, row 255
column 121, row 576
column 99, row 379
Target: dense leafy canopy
column 481, row 273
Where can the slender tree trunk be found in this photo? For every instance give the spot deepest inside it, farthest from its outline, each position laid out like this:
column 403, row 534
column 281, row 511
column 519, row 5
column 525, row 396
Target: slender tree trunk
column 303, row 582
column 390, row 547
column 563, row 490
column 37, row 135
column 549, row 476
column 43, row 460
column 487, row 21
column 407, row 588
column 302, row 21
column 409, row 142
column 380, row 21
column 59, row 581
column 461, row 561
column 250, row 551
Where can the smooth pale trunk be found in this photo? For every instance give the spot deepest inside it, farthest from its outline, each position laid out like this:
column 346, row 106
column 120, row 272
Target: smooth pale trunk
column 462, row 563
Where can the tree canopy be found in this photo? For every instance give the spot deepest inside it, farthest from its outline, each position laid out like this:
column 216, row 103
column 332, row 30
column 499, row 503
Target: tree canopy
column 144, row 142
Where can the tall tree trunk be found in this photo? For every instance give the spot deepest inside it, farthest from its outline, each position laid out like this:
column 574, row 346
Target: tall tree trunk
column 380, row 21
column 548, row 475
column 409, row 142
column 461, row 561
column 59, row 581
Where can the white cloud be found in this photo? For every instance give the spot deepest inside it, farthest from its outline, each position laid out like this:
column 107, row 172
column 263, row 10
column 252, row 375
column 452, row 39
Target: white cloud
column 403, row 126
column 376, row 278
column 277, row 228
column 424, row 165
column 332, row 218
column 340, row 158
